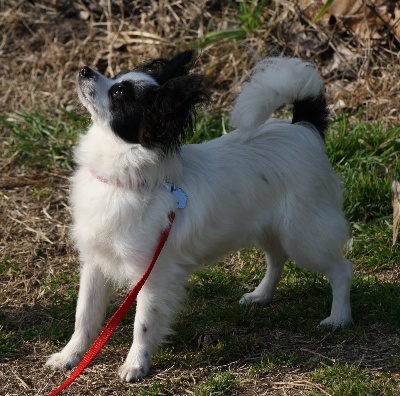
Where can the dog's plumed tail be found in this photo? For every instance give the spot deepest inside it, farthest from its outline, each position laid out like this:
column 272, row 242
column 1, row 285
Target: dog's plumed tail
column 276, row 82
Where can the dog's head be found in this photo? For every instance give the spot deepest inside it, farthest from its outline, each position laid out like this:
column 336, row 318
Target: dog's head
column 153, row 105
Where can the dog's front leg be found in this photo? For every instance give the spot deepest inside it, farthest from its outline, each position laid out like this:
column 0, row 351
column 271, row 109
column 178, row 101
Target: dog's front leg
column 156, row 305
column 93, row 296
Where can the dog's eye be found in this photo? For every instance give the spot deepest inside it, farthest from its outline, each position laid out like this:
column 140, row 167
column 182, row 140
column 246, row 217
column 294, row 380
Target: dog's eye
column 117, row 91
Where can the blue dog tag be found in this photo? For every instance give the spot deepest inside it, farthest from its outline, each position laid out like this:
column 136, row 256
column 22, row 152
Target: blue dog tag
column 178, row 193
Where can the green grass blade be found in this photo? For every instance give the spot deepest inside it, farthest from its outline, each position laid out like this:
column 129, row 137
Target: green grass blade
column 321, row 12
column 219, row 36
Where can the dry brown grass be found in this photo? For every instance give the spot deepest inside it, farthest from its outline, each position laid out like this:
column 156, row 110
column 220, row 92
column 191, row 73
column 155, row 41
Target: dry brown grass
column 43, row 46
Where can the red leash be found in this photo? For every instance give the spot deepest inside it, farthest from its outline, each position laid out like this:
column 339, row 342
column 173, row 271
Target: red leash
column 118, row 315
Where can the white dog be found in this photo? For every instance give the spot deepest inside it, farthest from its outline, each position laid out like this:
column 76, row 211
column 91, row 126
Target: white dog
column 268, row 183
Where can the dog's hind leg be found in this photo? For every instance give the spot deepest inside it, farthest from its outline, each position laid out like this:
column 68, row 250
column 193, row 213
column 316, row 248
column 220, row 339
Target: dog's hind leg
column 339, row 272
column 275, row 259
column 340, row 276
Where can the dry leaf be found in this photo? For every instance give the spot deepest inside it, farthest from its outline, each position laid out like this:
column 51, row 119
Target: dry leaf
column 368, row 19
column 396, row 209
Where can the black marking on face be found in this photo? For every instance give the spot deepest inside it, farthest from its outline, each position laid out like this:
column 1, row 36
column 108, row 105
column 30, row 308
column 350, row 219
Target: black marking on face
column 127, row 102
column 144, row 328
column 158, row 116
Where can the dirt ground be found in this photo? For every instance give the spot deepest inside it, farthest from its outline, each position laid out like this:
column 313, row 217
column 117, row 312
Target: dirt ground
column 44, row 43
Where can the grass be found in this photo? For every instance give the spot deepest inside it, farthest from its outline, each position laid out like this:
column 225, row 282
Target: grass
column 366, row 156
column 8, row 348
column 253, row 345
column 274, row 362
column 217, row 384
column 43, row 139
column 249, row 17
column 351, row 380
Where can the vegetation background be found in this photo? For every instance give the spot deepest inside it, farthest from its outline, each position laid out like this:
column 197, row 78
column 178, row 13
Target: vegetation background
column 219, row 347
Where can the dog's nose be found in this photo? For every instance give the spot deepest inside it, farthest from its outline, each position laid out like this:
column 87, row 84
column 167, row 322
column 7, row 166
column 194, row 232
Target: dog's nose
column 86, row 72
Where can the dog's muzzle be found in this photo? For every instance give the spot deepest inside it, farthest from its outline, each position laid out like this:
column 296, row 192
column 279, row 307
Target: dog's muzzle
column 87, row 79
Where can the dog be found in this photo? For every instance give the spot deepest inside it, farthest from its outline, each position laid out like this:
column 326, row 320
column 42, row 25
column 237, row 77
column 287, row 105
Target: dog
column 268, row 183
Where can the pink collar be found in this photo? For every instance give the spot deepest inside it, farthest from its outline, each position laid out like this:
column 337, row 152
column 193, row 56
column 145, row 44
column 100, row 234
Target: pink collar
column 140, row 182
column 178, row 193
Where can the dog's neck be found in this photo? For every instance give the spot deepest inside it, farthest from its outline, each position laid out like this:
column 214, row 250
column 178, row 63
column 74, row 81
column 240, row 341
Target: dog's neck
column 117, row 182
column 140, row 174
column 121, row 165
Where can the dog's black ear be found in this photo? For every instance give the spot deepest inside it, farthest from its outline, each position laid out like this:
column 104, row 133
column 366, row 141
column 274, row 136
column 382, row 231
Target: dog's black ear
column 169, row 118
column 163, row 70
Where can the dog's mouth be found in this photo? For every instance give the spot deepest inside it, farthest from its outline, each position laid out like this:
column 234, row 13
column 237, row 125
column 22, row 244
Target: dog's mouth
column 87, row 94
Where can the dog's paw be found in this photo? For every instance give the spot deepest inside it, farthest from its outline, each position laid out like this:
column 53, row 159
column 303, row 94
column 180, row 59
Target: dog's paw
column 253, row 298
column 133, row 372
column 335, row 323
column 62, row 361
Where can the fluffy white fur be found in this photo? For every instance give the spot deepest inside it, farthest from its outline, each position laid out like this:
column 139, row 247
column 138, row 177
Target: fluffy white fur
column 268, row 183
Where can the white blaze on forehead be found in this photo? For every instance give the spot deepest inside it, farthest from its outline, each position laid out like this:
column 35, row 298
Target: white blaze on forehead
column 94, row 93
column 137, row 76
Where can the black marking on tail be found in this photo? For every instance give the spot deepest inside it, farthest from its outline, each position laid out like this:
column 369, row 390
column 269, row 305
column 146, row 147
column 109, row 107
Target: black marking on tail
column 313, row 110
